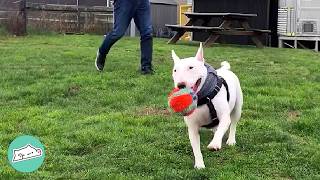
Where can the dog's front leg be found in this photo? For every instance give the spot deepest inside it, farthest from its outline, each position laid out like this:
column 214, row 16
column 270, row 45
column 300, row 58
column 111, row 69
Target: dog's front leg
column 223, row 126
column 194, row 138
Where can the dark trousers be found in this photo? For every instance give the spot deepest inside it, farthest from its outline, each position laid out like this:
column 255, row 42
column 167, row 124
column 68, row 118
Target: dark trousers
column 124, row 11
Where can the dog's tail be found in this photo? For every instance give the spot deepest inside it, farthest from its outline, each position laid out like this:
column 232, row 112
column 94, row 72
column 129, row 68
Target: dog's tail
column 225, row 65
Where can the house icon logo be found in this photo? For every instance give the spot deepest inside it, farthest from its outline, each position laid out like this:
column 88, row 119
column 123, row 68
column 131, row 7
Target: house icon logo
column 26, row 153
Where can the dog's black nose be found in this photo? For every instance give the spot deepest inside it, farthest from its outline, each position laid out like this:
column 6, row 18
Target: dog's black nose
column 181, row 85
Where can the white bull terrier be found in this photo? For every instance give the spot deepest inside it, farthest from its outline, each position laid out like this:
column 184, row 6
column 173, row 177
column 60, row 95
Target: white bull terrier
column 227, row 100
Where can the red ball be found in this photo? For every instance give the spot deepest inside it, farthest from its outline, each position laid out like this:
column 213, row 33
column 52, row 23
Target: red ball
column 182, row 101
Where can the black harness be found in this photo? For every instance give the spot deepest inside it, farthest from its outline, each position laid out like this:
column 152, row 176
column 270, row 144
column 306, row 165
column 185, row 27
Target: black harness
column 208, row 100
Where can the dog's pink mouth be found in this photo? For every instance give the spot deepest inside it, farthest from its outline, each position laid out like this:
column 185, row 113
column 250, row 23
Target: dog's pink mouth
column 196, row 86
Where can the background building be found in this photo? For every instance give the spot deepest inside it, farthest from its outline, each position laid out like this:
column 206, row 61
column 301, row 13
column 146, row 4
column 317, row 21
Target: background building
column 299, row 24
column 56, row 15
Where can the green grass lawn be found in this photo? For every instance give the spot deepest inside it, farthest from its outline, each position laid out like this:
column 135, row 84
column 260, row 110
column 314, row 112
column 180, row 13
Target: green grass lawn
column 115, row 124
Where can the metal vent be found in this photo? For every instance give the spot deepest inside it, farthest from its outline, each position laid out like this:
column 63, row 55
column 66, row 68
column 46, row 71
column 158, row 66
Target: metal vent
column 286, row 21
column 282, row 20
column 309, row 27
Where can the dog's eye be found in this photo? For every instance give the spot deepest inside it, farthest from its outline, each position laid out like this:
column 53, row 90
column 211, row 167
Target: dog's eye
column 175, row 70
column 191, row 67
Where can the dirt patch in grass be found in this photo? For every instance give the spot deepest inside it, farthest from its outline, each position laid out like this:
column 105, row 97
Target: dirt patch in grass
column 293, row 115
column 72, row 91
column 147, row 111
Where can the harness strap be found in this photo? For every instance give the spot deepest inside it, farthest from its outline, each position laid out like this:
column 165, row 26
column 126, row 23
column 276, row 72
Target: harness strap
column 227, row 88
column 208, row 102
column 213, row 115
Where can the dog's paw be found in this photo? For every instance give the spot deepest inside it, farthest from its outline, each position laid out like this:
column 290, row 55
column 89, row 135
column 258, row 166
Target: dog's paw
column 199, row 166
column 214, row 146
column 231, row 142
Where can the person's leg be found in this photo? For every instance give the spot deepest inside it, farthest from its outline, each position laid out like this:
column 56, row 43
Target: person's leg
column 142, row 18
column 123, row 13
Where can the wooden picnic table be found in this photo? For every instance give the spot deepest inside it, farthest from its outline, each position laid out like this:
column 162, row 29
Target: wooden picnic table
column 225, row 28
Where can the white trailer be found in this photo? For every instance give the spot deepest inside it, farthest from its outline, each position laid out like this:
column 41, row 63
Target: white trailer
column 298, row 22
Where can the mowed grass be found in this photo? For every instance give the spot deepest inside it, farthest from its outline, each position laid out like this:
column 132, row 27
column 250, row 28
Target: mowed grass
column 115, row 124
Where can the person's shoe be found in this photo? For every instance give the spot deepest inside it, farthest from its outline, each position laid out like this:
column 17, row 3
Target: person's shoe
column 146, row 71
column 100, row 60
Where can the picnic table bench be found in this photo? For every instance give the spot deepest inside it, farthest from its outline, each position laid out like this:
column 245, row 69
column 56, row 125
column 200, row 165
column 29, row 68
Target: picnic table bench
column 225, row 28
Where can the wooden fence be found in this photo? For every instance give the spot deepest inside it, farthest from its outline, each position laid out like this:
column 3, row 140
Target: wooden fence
column 19, row 15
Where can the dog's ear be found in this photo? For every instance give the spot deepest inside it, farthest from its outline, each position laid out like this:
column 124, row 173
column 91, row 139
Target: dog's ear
column 175, row 57
column 199, row 55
